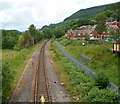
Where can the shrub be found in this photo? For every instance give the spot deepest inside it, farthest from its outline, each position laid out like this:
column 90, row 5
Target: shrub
column 27, row 46
column 104, row 95
column 101, row 80
column 16, row 48
column 7, row 80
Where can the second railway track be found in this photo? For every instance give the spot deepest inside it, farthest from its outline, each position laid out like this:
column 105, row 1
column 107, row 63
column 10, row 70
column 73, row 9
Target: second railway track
column 41, row 85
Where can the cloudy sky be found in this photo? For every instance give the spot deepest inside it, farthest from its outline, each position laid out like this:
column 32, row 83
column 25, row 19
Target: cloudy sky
column 19, row 14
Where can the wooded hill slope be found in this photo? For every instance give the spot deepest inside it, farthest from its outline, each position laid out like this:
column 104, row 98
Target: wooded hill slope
column 86, row 13
column 82, row 17
column 89, row 12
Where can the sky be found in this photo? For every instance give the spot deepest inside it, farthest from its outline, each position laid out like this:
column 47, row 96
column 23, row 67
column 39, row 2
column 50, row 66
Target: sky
column 20, row 14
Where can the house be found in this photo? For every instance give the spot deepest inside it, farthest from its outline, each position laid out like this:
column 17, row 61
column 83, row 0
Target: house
column 112, row 23
column 105, row 35
column 74, row 34
column 89, row 32
column 81, row 33
column 112, row 26
column 94, row 34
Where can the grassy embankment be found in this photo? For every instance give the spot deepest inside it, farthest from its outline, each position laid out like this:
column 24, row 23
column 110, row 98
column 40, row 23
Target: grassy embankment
column 13, row 65
column 102, row 57
column 80, row 87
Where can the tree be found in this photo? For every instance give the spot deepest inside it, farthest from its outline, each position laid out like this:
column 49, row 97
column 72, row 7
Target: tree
column 25, row 38
column 9, row 38
column 33, row 32
column 114, row 34
column 59, row 32
column 28, row 38
column 107, row 13
column 48, row 33
column 21, row 41
column 101, row 20
column 40, row 35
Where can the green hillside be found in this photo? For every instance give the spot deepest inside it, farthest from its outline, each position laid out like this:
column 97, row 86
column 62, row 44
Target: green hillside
column 89, row 12
column 86, row 13
column 82, row 17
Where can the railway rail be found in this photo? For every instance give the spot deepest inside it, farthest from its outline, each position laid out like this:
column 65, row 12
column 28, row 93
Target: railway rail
column 41, row 85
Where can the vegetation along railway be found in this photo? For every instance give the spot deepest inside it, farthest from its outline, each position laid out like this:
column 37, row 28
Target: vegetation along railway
column 41, row 85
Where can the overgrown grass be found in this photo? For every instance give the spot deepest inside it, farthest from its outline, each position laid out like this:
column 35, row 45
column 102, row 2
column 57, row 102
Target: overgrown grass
column 13, row 64
column 80, row 87
column 102, row 57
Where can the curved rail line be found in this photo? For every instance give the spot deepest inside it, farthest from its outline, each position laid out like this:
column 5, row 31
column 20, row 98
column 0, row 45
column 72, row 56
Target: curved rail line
column 41, row 86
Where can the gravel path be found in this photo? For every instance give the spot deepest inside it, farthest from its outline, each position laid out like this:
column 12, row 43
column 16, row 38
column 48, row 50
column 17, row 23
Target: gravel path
column 56, row 90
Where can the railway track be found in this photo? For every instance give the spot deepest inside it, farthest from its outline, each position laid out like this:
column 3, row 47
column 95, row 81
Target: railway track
column 41, row 85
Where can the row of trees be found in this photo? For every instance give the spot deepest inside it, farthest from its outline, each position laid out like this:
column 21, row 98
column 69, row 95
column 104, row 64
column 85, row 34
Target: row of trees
column 13, row 39
column 29, row 37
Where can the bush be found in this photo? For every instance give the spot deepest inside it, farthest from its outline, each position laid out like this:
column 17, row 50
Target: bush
column 104, row 95
column 101, row 80
column 16, row 48
column 7, row 80
column 27, row 46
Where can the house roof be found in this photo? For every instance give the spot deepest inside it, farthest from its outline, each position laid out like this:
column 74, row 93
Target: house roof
column 105, row 33
column 79, row 31
column 113, row 26
column 112, row 23
column 94, row 33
